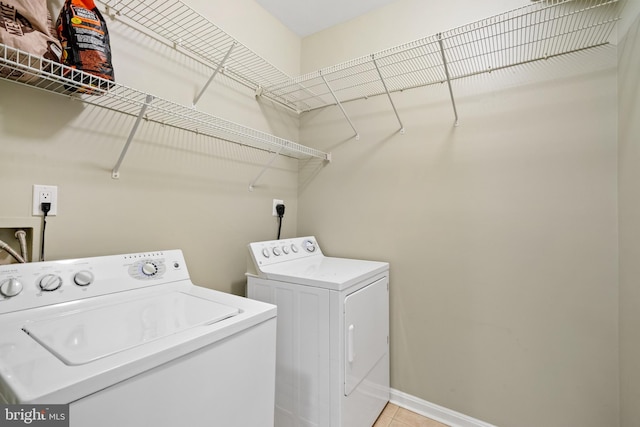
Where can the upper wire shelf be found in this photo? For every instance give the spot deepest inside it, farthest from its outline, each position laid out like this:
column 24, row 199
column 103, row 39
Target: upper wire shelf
column 22, row 67
column 530, row 33
column 185, row 28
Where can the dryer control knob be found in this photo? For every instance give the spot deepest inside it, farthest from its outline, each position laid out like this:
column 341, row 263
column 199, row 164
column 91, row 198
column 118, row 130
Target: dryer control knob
column 265, row 253
column 294, row 248
column 276, row 252
column 309, row 245
column 83, row 278
column 50, row 282
column 285, row 249
column 10, row 287
column 149, row 269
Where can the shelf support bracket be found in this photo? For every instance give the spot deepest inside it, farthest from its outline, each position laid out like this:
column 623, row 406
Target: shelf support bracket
column 115, row 173
column 215, row 73
column 446, row 72
column 274, row 156
column 341, row 107
column 386, row 89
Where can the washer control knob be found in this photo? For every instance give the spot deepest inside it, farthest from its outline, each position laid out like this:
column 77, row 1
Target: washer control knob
column 83, row 278
column 294, row 248
column 285, row 250
column 10, row 287
column 309, row 245
column 50, row 282
column 149, row 269
column 265, row 253
column 277, row 252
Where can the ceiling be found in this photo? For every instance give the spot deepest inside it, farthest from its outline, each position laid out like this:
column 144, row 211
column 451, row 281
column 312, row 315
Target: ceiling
column 305, row 17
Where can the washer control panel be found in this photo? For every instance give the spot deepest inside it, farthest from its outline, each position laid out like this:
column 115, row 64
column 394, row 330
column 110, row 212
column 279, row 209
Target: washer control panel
column 36, row 284
column 276, row 251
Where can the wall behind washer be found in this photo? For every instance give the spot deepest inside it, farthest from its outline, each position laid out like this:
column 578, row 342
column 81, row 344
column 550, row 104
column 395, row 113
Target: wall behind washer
column 501, row 233
column 177, row 189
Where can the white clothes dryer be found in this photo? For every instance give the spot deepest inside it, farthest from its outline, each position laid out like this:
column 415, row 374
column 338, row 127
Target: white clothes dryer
column 128, row 340
column 332, row 357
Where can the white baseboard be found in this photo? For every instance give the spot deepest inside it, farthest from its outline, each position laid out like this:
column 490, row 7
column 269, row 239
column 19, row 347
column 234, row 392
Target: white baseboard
column 435, row 412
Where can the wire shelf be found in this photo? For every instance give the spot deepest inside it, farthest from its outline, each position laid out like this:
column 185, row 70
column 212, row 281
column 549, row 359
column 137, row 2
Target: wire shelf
column 530, row 33
column 183, row 27
column 24, row 68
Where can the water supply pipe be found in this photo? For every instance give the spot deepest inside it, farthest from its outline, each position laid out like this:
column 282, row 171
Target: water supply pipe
column 11, row 252
column 21, row 235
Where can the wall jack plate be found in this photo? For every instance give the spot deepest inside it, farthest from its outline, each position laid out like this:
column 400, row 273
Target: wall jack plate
column 45, row 193
column 275, row 203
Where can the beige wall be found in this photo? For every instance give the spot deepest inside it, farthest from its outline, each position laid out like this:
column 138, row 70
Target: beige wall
column 177, row 189
column 629, row 207
column 501, row 233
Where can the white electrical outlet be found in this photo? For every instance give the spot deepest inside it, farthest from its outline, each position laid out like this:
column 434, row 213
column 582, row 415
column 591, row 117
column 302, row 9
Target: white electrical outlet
column 275, row 203
column 45, row 194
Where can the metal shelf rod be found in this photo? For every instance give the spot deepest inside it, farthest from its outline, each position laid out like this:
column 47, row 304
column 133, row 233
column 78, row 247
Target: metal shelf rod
column 273, row 158
column 217, row 70
column 115, row 173
column 386, row 89
column 341, row 107
column 446, row 72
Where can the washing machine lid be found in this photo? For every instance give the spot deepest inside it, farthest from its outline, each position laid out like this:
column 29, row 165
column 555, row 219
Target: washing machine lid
column 325, row 272
column 80, row 337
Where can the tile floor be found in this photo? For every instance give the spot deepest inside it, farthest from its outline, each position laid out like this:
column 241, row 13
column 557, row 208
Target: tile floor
column 394, row 416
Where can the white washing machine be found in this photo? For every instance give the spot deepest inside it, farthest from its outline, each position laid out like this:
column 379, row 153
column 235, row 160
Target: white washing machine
column 332, row 358
column 128, row 340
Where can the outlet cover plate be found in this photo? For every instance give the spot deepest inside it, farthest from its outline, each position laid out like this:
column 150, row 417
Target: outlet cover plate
column 275, row 203
column 45, row 193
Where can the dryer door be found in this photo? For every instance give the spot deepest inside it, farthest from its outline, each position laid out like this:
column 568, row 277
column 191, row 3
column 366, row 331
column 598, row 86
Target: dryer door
column 366, row 314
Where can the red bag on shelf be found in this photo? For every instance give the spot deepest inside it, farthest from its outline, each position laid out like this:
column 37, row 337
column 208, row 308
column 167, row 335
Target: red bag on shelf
column 85, row 40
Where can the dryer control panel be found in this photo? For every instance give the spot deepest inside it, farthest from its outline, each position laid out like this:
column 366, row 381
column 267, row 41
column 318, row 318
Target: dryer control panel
column 36, row 284
column 277, row 251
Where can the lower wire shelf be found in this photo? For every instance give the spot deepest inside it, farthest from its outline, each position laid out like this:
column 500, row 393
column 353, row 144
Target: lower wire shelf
column 27, row 69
